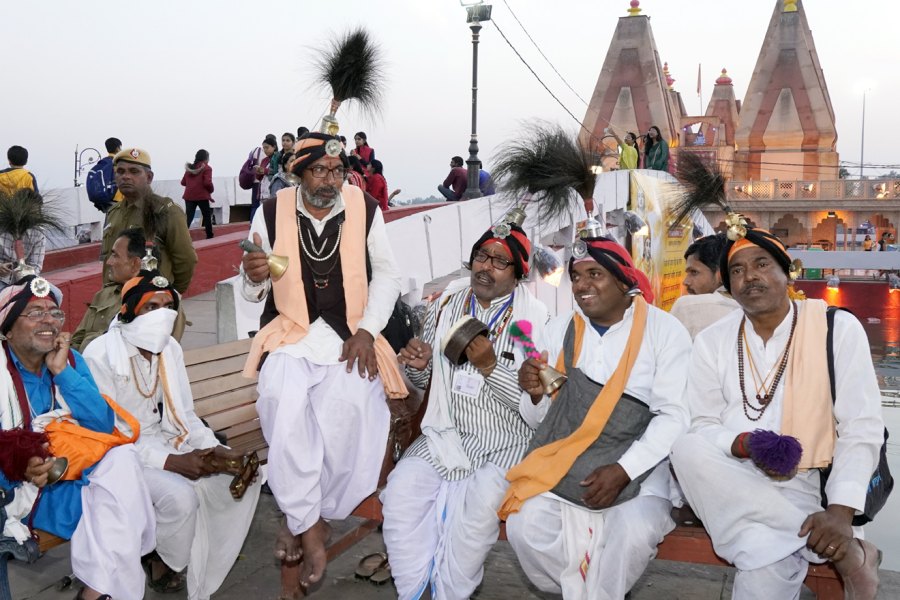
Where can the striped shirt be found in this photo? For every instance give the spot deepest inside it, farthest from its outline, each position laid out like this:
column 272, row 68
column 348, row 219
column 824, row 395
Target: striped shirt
column 489, row 425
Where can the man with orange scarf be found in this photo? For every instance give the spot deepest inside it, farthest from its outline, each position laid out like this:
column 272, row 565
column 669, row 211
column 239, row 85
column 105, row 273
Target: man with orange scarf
column 327, row 369
column 761, row 371
column 590, row 502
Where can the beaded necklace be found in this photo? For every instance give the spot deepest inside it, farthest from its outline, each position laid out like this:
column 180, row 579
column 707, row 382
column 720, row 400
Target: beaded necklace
column 768, row 392
column 149, row 395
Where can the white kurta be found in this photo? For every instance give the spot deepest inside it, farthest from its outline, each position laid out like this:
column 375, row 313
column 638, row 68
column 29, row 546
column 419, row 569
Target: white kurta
column 601, row 554
column 309, row 406
column 698, row 311
column 199, row 524
column 759, row 527
column 440, row 521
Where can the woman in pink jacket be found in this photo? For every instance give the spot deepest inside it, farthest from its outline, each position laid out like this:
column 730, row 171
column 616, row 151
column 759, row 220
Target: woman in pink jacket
column 198, row 188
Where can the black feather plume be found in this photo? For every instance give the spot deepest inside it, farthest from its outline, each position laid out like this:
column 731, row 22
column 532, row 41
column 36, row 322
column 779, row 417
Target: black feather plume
column 24, row 210
column 352, row 69
column 547, row 162
column 703, row 186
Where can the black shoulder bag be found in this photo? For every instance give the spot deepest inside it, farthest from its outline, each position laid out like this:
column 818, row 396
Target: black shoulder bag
column 881, row 483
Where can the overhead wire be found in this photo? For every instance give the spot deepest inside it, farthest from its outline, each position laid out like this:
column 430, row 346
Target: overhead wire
column 563, row 79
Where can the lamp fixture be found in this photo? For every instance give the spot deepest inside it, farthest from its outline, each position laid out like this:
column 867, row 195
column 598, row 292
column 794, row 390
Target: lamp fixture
column 833, row 283
column 832, row 214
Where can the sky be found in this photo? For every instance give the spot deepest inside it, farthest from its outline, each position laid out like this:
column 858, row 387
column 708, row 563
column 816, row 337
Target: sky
column 175, row 76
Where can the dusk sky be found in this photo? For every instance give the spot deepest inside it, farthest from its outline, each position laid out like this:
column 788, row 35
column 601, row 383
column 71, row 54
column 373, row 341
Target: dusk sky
column 172, row 77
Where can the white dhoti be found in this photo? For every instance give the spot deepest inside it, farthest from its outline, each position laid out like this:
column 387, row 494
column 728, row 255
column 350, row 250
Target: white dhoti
column 438, row 532
column 584, row 554
column 327, row 433
column 753, row 520
column 117, row 527
column 200, row 526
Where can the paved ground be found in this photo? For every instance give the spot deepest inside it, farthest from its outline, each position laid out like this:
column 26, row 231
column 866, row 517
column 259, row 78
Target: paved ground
column 255, row 575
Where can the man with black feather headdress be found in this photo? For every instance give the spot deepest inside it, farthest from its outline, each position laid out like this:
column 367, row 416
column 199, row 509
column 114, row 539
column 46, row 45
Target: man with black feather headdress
column 768, row 413
column 440, row 503
column 590, row 502
column 327, row 368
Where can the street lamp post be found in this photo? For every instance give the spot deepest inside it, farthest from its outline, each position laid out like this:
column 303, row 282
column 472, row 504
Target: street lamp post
column 477, row 12
column 862, row 137
column 80, row 164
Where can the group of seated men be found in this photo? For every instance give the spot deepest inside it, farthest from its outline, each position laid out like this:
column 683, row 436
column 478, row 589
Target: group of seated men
column 159, row 511
column 582, row 476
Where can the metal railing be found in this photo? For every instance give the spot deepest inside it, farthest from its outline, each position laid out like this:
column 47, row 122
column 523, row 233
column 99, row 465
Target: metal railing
column 841, row 189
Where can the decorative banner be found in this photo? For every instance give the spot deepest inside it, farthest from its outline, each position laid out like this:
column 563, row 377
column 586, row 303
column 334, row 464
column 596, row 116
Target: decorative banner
column 656, row 251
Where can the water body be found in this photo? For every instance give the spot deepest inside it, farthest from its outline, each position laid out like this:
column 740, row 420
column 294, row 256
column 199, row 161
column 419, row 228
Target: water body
column 884, row 342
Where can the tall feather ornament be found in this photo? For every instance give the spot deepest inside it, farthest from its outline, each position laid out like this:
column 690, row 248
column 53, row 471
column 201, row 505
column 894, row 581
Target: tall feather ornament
column 547, row 162
column 351, row 68
column 703, row 186
column 24, row 210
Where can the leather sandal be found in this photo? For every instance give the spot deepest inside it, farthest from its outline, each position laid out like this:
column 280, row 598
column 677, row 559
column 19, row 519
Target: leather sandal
column 167, row 583
column 382, row 575
column 370, row 564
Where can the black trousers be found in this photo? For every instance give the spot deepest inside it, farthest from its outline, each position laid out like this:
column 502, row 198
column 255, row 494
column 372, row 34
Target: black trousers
column 190, row 209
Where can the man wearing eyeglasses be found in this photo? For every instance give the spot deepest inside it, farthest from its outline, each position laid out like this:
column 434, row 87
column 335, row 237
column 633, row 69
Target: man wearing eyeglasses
column 106, row 512
column 441, row 500
column 327, row 369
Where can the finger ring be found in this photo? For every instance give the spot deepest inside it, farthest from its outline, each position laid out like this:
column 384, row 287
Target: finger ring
column 831, row 548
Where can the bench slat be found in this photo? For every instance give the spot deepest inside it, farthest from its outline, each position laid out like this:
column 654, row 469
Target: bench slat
column 213, row 404
column 219, row 385
column 211, row 353
column 216, row 368
column 224, row 419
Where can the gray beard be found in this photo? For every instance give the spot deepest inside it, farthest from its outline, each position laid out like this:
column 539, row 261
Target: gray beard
column 316, row 201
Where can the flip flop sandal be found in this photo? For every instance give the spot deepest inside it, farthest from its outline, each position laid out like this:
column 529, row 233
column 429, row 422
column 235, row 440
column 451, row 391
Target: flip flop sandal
column 369, row 565
column 382, row 575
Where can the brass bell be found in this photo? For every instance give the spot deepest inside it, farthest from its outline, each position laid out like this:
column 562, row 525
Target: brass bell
column 277, row 264
column 551, row 379
column 59, row 468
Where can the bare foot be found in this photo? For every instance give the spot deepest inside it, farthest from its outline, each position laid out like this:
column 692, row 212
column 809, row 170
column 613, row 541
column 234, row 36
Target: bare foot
column 315, row 558
column 859, row 570
column 290, row 553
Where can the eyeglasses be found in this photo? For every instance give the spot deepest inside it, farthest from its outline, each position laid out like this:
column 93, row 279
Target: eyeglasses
column 499, row 262
column 320, row 172
column 39, row 315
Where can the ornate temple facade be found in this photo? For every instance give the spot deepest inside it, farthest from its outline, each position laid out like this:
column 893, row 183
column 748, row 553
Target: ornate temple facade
column 777, row 146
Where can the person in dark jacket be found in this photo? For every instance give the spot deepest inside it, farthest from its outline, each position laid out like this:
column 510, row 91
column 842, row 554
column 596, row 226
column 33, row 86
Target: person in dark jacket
column 198, row 189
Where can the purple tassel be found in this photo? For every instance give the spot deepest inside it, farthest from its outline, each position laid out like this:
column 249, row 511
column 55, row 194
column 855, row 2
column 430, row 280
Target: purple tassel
column 775, row 454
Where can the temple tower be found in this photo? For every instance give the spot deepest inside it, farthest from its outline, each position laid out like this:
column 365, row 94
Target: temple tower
column 786, row 128
column 631, row 92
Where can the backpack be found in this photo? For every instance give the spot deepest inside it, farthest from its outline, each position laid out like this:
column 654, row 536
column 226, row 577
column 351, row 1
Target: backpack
column 100, row 185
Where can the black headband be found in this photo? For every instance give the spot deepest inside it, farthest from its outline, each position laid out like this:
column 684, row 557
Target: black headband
column 135, row 289
column 306, row 153
column 764, row 240
column 513, row 240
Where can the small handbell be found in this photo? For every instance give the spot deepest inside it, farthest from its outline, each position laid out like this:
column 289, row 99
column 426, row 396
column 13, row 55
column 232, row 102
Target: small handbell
column 277, row 264
column 59, row 468
column 551, row 379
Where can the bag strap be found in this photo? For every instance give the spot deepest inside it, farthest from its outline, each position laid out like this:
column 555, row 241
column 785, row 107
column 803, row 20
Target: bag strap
column 829, row 346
